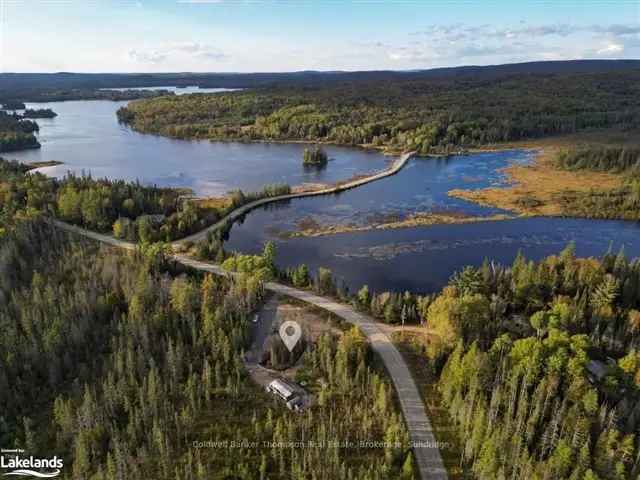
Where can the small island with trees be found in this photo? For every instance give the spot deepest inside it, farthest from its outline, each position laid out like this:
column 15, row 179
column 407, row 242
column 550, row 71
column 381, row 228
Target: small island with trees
column 39, row 113
column 315, row 157
column 16, row 133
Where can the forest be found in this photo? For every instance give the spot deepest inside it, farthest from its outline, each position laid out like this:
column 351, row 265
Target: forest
column 16, row 133
column 129, row 210
column 538, row 364
column 615, row 159
column 619, row 203
column 429, row 115
column 123, row 363
column 49, row 94
column 39, row 113
column 542, row 370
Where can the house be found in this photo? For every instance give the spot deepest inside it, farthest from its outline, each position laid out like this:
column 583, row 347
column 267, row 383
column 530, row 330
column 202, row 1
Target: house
column 282, row 389
column 288, row 392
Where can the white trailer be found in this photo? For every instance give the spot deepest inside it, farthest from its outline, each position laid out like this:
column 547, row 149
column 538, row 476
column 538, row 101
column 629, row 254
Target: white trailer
column 287, row 392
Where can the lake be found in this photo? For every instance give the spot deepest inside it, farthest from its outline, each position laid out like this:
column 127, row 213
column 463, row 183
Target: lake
column 421, row 258
column 422, row 186
column 87, row 137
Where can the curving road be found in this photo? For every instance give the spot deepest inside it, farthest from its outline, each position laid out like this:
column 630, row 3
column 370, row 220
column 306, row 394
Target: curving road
column 244, row 209
column 423, row 440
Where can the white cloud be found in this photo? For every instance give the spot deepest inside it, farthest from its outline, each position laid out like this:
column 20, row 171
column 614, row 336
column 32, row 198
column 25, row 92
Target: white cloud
column 618, row 29
column 138, row 56
column 211, row 55
column 188, row 47
column 611, row 49
column 455, row 44
column 459, row 31
column 198, row 50
column 414, row 53
column 177, row 51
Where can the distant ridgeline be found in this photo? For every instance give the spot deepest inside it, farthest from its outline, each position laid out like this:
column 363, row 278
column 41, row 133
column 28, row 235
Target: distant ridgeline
column 49, row 94
column 24, row 85
column 429, row 114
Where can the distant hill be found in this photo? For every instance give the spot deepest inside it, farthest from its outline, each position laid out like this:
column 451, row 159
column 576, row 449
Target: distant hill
column 26, row 84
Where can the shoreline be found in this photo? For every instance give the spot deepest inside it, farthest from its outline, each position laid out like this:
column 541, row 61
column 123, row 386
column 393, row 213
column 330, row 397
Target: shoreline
column 361, row 146
column 239, row 212
column 536, row 189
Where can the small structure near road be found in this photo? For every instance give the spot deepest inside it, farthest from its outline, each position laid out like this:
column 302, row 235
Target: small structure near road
column 287, row 391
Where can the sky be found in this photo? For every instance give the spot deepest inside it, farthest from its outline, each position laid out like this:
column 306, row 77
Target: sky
column 293, row 35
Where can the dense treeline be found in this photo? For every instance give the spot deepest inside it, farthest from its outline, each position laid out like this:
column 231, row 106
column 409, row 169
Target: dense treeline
column 342, row 370
column 427, row 115
column 615, row 159
column 538, row 363
column 118, row 364
column 122, row 358
column 389, row 307
column 618, row 203
column 128, row 209
column 16, row 133
column 95, row 204
column 48, row 94
column 39, row 113
column 544, row 377
column 22, row 195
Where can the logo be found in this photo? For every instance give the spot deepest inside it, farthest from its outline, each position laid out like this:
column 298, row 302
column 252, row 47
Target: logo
column 290, row 332
column 29, row 466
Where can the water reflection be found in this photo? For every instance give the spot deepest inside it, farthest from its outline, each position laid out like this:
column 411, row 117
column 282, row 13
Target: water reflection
column 422, row 258
column 87, row 137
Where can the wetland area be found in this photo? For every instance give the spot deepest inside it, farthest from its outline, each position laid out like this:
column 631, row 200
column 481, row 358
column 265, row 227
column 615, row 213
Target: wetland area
column 382, row 234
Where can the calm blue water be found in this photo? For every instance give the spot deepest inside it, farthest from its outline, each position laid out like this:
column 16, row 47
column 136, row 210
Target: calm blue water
column 87, row 137
column 422, row 259
column 421, row 187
